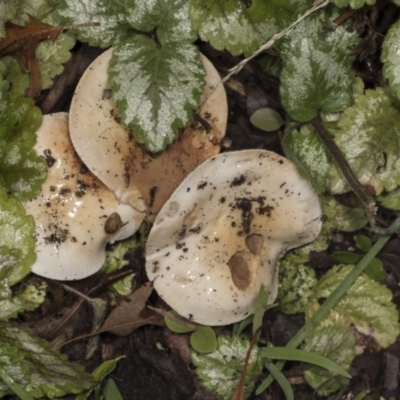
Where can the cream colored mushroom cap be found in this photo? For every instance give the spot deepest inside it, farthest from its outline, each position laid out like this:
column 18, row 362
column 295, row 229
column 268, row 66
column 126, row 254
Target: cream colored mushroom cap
column 220, row 235
column 137, row 177
column 76, row 215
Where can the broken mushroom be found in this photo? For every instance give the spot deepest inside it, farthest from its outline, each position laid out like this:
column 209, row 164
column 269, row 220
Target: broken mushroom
column 220, row 235
column 113, row 155
column 76, row 215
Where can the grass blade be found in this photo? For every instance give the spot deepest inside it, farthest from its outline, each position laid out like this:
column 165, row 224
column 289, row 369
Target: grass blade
column 284, row 353
column 281, row 379
column 21, row 393
column 332, row 300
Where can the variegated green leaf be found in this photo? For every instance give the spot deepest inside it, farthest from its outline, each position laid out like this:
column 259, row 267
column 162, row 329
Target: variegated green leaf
column 391, row 57
column 169, row 17
column 369, row 138
column 156, row 88
column 232, row 25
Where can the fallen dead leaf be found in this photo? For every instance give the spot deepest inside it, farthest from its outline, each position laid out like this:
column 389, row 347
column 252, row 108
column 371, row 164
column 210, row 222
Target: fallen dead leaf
column 22, row 40
column 132, row 313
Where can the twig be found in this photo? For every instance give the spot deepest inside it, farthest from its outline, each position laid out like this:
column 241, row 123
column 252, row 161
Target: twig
column 238, row 67
column 344, row 167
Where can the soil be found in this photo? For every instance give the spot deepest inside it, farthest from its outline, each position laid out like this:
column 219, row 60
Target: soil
column 157, row 362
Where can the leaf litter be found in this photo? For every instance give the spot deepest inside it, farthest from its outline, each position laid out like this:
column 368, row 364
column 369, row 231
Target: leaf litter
column 146, row 335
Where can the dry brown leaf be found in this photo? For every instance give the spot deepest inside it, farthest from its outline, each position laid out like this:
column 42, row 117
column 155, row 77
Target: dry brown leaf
column 132, row 313
column 22, row 41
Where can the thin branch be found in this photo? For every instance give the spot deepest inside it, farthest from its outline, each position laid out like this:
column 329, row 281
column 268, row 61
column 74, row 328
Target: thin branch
column 318, row 4
column 344, row 167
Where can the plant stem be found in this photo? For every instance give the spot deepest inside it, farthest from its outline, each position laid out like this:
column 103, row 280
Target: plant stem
column 344, row 166
column 332, row 300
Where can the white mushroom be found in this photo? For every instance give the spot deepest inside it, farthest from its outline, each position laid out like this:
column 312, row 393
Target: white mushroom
column 220, row 235
column 76, row 215
column 113, row 155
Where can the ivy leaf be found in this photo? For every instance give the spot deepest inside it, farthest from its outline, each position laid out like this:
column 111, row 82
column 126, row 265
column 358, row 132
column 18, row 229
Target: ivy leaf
column 336, row 343
column 112, row 29
column 369, row 137
column 156, row 88
column 367, row 306
column 17, row 233
column 169, row 17
column 315, row 77
column 220, row 370
column 33, row 366
column 391, row 58
column 231, row 25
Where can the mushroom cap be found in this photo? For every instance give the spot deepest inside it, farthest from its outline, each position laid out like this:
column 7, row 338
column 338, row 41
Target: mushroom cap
column 220, row 235
column 76, row 215
column 114, row 156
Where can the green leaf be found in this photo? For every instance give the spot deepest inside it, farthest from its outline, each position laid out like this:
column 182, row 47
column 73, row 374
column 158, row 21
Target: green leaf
column 320, row 312
column 50, row 55
column 284, row 353
column 296, row 286
column 367, row 306
column 203, row 339
column 22, row 171
column 33, row 366
column 232, row 26
column 346, row 257
column 375, row 270
column 336, row 343
column 15, row 389
column 10, row 305
column 353, row 3
column 8, row 10
column 306, row 146
column 267, row 119
column 169, row 17
column 12, row 70
column 110, row 391
column 350, row 219
column 281, row 379
column 220, row 370
column 261, row 307
column 99, row 374
column 315, row 77
column 363, row 242
column 156, row 88
column 116, row 259
column 112, row 29
column 368, row 136
column 19, row 120
column 390, row 200
column 17, row 243
column 178, row 324
column 391, row 57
